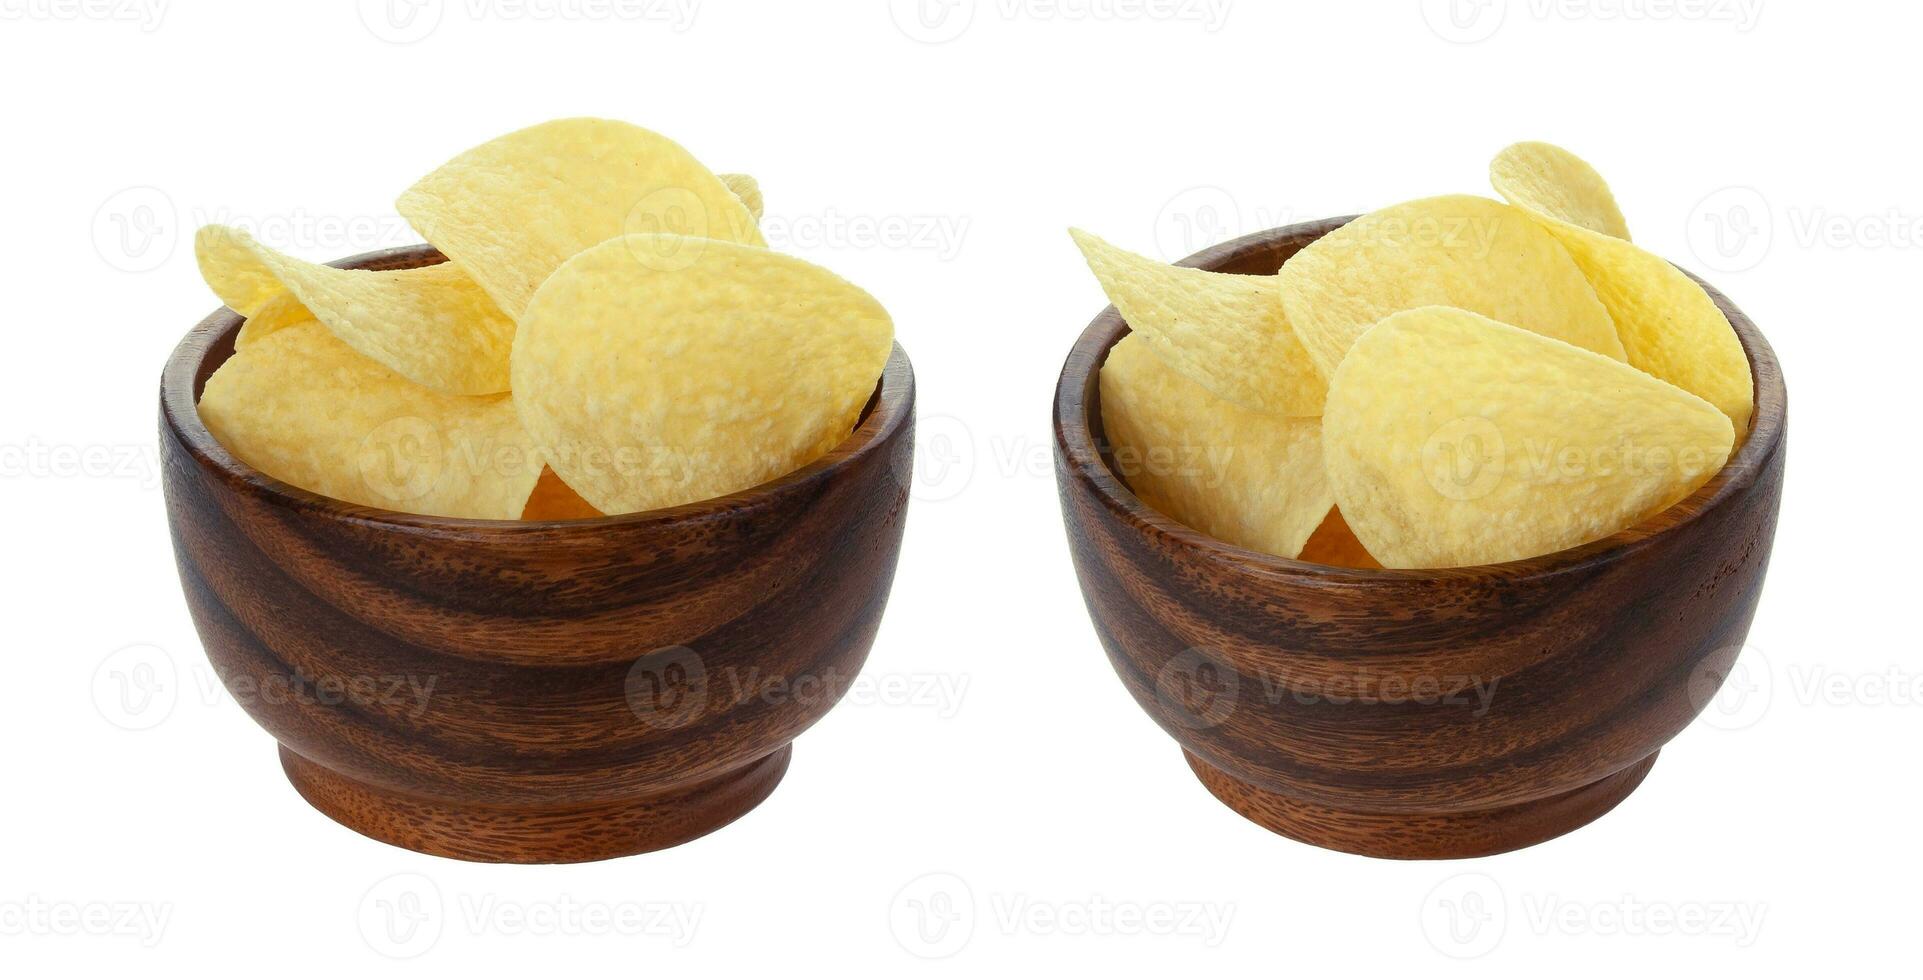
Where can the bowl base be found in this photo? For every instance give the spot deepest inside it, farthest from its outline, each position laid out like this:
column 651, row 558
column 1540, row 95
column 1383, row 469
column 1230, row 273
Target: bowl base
column 536, row 835
column 1423, row 836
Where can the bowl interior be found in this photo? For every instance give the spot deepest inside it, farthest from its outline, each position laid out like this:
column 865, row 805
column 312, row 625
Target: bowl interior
column 1079, row 429
column 211, row 343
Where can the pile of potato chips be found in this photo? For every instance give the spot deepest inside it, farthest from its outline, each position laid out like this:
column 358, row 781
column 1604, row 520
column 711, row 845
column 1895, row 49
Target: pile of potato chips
column 1451, row 381
column 609, row 335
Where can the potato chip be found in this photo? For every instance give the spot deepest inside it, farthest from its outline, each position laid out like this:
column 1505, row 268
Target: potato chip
column 748, row 190
column 281, row 311
column 301, row 406
column 1335, row 544
column 510, row 211
column 652, row 386
column 1546, row 179
column 1462, row 251
column 1452, row 439
column 1669, row 325
column 431, row 325
column 1224, row 332
column 1251, row 479
column 554, row 500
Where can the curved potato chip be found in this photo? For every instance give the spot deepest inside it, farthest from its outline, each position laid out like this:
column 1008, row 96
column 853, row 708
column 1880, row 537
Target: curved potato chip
column 510, row 211
column 304, row 408
column 1250, row 479
column 748, row 190
column 651, row 387
column 432, row 325
column 1669, row 325
column 1452, row 439
column 1458, row 250
column 231, row 268
column 1224, row 332
column 278, row 313
column 1547, row 179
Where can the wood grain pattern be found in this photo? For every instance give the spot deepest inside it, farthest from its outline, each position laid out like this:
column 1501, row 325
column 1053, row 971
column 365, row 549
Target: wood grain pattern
column 534, row 691
column 1418, row 714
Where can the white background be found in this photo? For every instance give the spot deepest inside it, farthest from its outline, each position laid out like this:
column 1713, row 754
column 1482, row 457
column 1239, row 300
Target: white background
column 937, row 160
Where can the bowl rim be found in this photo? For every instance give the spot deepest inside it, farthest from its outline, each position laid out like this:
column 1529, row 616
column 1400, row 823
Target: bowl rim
column 887, row 412
column 1077, row 396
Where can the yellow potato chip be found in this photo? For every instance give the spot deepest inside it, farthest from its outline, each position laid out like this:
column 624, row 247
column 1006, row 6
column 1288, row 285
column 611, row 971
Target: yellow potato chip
column 283, row 310
column 1248, row 478
column 1462, row 251
column 510, row 211
column 1547, row 179
column 1335, row 544
column 652, row 386
column 1452, row 439
column 748, row 190
column 1224, row 332
column 553, row 500
column 1668, row 324
column 432, row 325
column 303, row 407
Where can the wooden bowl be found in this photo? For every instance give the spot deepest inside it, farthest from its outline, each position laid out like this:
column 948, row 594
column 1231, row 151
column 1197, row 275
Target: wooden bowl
column 534, row 691
column 1417, row 714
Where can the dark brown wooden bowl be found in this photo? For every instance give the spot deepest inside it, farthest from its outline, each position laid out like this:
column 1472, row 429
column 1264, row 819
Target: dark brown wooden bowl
column 1417, row 714
column 593, row 688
